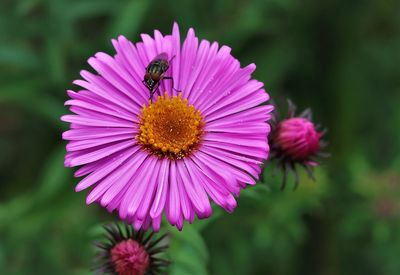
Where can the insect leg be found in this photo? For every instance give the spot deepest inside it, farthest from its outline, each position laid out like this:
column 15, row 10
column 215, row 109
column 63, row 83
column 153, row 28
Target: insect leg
column 151, row 95
column 152, row 92
column 156, row 88
column 172, row 79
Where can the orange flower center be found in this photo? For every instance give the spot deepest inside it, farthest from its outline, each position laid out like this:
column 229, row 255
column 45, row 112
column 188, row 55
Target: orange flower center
column 170, row 127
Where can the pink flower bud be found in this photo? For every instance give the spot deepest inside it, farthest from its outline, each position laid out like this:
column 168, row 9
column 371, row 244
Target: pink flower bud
column 295, row 141
column 130, row 252
column 297, row 138
column 130, row 258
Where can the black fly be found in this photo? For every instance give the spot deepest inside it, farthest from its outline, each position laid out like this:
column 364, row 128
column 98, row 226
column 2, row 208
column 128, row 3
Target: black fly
column 155, row 72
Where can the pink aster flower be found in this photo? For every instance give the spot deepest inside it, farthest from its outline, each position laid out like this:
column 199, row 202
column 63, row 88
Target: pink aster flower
column 296, row 140
column 201, row 140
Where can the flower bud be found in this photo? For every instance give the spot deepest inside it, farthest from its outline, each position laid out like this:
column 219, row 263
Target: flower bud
column 295, row 141
column 130, row 252
column 297, row 138
column 129, row 257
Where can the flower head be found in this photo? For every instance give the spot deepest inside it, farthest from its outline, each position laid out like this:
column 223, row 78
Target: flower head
column 127, row 252
column 296, row 140
column 201, row 138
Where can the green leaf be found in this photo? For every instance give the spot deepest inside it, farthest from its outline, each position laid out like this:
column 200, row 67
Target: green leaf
column 19, row 90
column 29, row 95
column 89, row 8
column 128, row 18
column 54, row 175
column 18, row 57
column 51, row 182
column 255, row 192
column 188, row 252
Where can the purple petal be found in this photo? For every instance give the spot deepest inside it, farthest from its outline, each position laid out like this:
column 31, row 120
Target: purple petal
column 162, row 190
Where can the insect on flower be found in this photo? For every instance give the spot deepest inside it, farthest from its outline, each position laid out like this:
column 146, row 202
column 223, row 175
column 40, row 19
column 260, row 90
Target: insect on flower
column 173, row 157
column 155, row 72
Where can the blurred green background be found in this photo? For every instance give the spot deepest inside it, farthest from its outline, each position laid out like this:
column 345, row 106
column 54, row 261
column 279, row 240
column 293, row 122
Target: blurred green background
column 342, row 58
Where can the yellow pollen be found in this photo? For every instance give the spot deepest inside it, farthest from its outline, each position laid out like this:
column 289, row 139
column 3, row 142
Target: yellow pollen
column 170, row 127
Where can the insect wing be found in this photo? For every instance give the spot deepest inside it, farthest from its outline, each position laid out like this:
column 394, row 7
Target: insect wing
column 161, row 56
